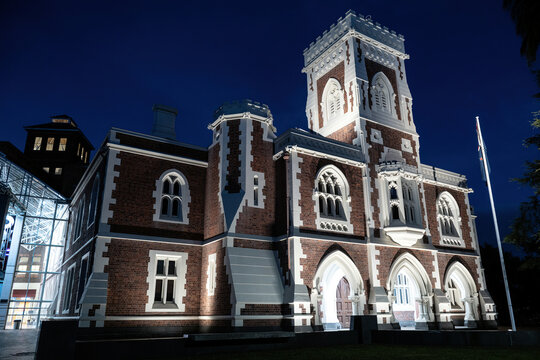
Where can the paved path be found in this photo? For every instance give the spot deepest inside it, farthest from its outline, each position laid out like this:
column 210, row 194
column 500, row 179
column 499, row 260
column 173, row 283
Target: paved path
column 18, row 344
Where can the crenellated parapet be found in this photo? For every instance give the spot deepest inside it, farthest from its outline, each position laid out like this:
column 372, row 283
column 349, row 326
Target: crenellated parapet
column 362, row 27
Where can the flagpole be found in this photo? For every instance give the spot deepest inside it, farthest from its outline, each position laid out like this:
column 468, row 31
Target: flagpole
column 484, row 162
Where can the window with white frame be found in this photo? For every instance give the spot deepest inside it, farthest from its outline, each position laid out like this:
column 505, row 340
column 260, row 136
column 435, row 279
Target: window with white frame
column 332, row 100
column 402, row 295
column 166, row 281
column 332, row 200
column 211, row 273
column 92, row 206
column 382, row 96
column 68, row 288
column 172, row 197
column 449, row 220
column 256, row 190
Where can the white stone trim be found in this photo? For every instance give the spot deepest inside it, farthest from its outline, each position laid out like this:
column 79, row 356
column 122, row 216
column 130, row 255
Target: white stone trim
column 101, row 261
column 297, row 254
column 436, row 274
column 110, row 175
column 157, row 155
column 406, row 145
column 211, row 273
column 338, row 159
column 374, row 264
column 376, row 136
column 295, row 188
column 180, row 283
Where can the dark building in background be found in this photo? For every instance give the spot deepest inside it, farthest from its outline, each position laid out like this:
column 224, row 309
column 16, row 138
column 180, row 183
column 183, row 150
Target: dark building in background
column 61, row 150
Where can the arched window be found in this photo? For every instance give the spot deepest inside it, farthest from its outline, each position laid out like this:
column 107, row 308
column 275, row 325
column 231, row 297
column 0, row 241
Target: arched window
column 92, row 206
column 383, row 95
column 172, row 197
column 332, row 100
column 449, row 220
column 331, row 199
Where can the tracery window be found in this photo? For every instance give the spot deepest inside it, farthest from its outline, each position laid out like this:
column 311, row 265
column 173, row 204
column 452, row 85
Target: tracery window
column 409, row 204
column 332, row 100
column 172, row 197
column 383, row 96
column 449, row 220
column 331, row 196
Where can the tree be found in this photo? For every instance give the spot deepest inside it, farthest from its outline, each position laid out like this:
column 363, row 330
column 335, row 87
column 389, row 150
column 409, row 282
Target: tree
column 526, row 16
column 526, row 227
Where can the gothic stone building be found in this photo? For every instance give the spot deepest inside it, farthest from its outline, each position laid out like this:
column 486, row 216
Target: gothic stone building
column 299, row 230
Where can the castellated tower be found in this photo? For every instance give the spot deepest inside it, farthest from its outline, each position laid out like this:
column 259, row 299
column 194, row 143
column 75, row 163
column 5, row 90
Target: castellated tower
column 358, row 94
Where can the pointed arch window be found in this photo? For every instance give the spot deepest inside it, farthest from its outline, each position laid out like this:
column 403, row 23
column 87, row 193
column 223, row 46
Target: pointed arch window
column 449, row 220
column 332, row 100
column 331, row 196
column 383, row 95
column 172, row 197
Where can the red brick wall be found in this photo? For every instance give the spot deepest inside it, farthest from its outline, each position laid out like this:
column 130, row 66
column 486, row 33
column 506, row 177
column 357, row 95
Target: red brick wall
column 134, row 208
column 308, row 170
column 213, row 217
column 266, row 309
column 315, row 250
column 128, row 272
column 432, row 192
column 389, row 254
column 253, row 244
column 346, row 134
column 220, row 302
column 338, row 73
column 252, row 220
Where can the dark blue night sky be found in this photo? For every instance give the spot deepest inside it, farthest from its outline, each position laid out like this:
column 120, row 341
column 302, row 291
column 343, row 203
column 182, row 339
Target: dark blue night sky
column 106, row 62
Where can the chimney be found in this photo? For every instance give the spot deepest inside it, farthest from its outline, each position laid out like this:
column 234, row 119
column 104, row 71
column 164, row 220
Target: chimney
column 164, row 120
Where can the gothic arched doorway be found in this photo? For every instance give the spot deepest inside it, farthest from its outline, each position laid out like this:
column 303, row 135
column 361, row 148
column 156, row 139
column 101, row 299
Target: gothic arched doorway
column 410, row 293
column 338, row 292
column 462, row 294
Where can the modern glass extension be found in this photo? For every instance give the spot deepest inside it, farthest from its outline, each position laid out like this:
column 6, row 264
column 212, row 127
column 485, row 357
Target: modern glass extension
column 32, row 246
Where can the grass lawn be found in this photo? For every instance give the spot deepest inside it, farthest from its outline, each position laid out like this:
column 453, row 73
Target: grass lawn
column 381, row 352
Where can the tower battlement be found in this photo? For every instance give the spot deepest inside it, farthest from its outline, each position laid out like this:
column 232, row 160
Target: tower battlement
column 363, row 27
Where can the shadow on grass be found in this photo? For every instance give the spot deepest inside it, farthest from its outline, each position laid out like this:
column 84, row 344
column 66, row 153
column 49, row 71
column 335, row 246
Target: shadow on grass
column 380, row 352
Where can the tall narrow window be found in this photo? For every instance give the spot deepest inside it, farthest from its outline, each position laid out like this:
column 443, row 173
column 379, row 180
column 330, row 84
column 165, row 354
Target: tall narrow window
column 92, row 206
column 50, row 144
column 82, row 278
column 395, row 212
column 68, row 288
column 382, row 94
column 256, row 190
column 332, row 100
column 62, row 144
column 37, row 143
column 172, row 197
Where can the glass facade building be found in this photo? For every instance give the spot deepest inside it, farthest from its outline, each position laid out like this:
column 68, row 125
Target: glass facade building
column 32, row 248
